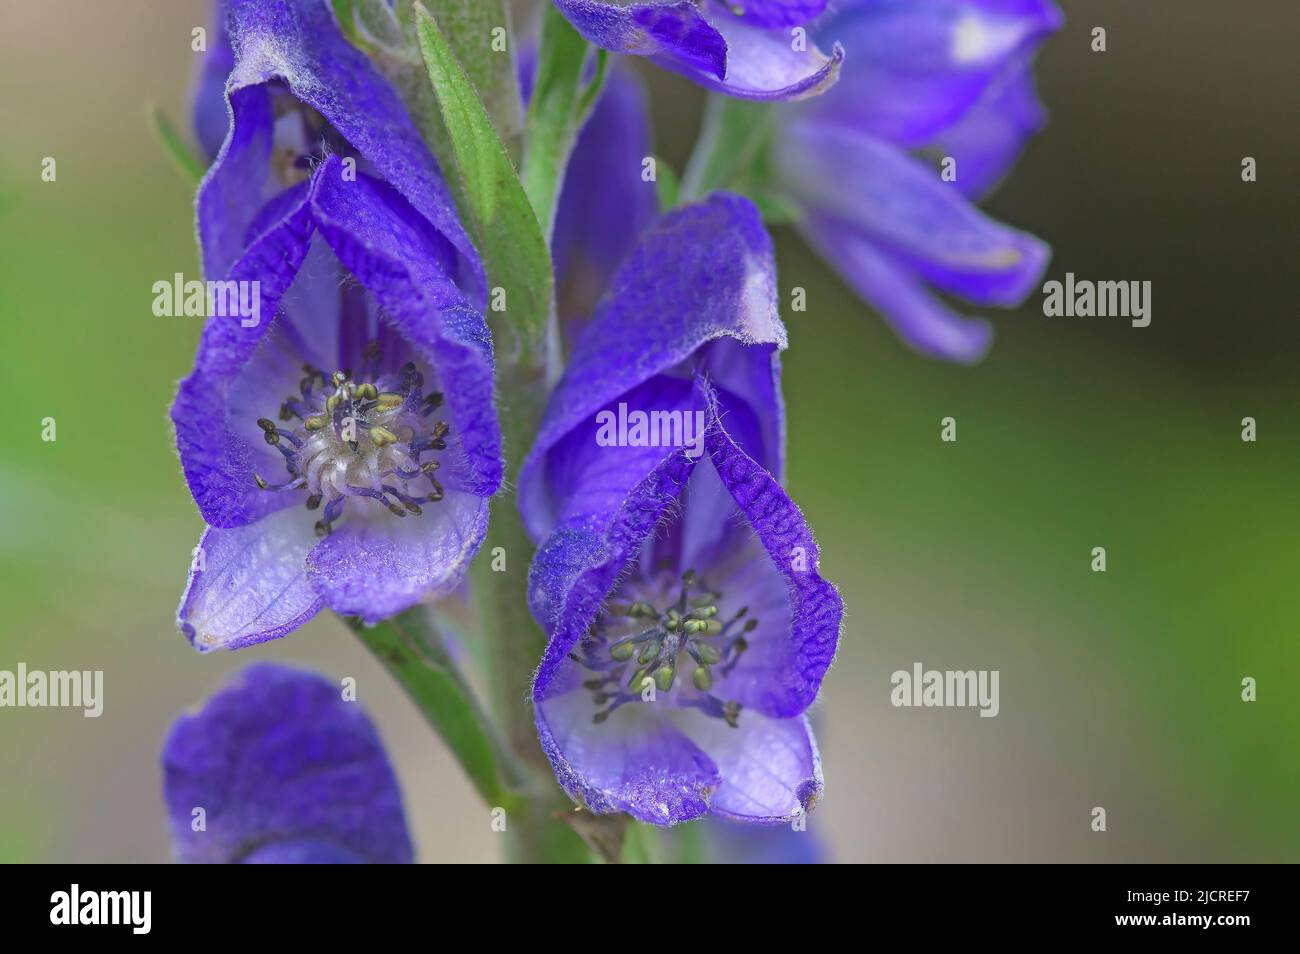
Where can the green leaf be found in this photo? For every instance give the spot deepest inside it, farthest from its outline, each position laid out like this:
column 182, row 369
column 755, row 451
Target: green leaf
column 478, row 31
column 557, row 111
column 190, row 166
column 495, row 208
column 412, row 650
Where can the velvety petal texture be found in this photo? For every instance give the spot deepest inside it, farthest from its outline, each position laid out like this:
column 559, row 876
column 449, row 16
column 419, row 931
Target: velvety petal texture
column 743, row 50
column 277, row 768
column 295, row 45
column 951, row 78
column 702, row 274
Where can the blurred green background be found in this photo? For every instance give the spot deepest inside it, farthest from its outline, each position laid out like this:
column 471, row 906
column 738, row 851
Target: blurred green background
column 1119, row 690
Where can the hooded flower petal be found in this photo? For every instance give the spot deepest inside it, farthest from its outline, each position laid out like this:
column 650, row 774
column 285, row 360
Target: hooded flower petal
column 284, row 771
column 918, row 66
column 295, row 44
column 703, row 273
column 249, row 584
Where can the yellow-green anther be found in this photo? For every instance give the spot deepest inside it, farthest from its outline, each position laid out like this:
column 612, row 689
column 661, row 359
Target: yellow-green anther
column 702, row 678
column 272, row 437
column 382, row 436
column 332, row 402
column 731, row 713
column 623, row 651
column 712, row 627
column 388, row 400
column 707, row 653
column 692, row 626
column 637, row 678
column 316, row 422
column 703, row 612
column 642, row 609
column 649, row 652
column 265, row 424
column 664, row 677
column 367, row 392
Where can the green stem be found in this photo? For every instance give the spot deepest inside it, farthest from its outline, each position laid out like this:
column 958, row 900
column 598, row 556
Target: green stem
column 559, row 107
column 415, row 654
column 731, row 141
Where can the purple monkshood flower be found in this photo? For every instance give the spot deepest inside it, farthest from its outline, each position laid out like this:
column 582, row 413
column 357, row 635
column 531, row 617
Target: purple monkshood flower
column 278, row 769
column 342, row 448
column 944, row 79
column 753, row 49
column 604, row 203
column 689, row 626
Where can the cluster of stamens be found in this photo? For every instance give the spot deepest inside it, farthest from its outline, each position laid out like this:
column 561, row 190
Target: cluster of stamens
column 343, row 439
column 634, row 644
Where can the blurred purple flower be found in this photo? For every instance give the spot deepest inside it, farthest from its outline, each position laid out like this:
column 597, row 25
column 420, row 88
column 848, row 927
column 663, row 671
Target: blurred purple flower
column 285, row 772
column 747, row 845
column 669, row 554
column 604, row 204
column 372, row 351
column 753, row 49
column 940, row 78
